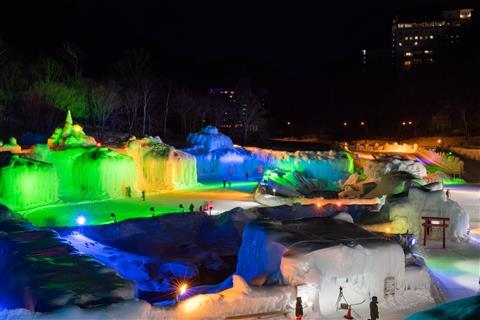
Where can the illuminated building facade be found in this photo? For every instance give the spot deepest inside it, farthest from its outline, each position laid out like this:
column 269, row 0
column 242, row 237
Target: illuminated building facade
column 419, row 41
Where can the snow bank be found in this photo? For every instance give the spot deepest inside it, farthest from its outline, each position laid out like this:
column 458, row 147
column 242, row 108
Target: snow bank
column 472, row 153
column 41, row 272
column 238, row 300
column 376, row 168
column 26, row 183
column 160, row 166
column 381, row 146
column 406, row 213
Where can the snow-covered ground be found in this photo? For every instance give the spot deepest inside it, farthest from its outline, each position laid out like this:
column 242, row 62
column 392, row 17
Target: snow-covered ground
column 456, row 270
column 240, row 194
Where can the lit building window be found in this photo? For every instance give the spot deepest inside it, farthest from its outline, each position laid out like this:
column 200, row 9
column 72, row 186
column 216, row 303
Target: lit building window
column 416, row 37
column 431, row 37
column 399, row 44
column 415, row 43
column 406, row 38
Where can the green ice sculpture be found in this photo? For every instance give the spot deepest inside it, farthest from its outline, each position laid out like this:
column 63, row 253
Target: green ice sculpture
column 71, row 135
column 26, row 183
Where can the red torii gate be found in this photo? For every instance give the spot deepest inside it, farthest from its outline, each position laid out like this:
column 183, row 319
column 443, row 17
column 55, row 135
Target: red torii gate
column 432, row 222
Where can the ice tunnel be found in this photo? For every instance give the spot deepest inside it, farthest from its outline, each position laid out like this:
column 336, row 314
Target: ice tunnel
column 26, row 183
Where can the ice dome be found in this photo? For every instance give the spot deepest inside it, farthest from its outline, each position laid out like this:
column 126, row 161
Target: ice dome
column 210, row 139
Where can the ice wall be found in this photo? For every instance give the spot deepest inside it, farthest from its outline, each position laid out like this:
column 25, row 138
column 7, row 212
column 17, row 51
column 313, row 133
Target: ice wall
column 406, row 213
column 26, row 183
column 259, row 254
column 100, row 171
column 90, row 172
column 160, row 166
column 217, row 158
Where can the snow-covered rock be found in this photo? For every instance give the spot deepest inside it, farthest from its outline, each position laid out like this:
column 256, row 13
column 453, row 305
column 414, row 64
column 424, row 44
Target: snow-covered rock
column 376, row 168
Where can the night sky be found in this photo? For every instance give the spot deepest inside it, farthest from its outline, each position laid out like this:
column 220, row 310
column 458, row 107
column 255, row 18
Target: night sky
column 294, row 49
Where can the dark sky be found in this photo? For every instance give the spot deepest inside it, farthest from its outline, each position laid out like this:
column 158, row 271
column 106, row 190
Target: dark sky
column 281, row 45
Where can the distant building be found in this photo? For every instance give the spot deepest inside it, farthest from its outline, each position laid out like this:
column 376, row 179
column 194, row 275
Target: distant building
column 222, row 92
column 421, row 40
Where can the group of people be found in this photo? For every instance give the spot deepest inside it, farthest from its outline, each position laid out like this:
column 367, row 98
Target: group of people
column 225, row 182
column 191, row 207
column 373, row 309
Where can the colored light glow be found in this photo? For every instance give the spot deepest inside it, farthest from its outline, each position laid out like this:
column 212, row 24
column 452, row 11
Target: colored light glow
column 81, row 220
column 182, row 289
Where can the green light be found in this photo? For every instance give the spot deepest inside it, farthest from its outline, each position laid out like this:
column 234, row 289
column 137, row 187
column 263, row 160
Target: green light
column 27, row 183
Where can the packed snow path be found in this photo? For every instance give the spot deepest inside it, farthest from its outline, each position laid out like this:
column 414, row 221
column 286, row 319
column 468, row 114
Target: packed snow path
column 240, row 194
column 456, row 269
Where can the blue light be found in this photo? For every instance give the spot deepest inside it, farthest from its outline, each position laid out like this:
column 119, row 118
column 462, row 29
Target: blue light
column 81, row 220
column 413, row 241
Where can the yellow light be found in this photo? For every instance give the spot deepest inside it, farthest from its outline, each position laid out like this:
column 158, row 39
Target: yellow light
column 387, row 230
column 345, row 124
column 410, row 122
column 288, row 123
column 182, row 289
column 439, row 140
column 362, row 123
column 404, row 123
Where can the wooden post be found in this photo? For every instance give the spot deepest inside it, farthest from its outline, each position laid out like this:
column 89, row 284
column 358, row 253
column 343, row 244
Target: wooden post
column 444, row 226
column 425, row 228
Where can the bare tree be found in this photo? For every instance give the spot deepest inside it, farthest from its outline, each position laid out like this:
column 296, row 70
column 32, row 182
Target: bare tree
column 104, row 100
column 167, row 107
column 250, row 112
column 131, row 104
column 138, row 86
column 183, row 102
column 71, row 53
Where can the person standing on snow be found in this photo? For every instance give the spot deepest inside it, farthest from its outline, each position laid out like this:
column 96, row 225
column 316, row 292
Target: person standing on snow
column 299, row 309
column 374, row 308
